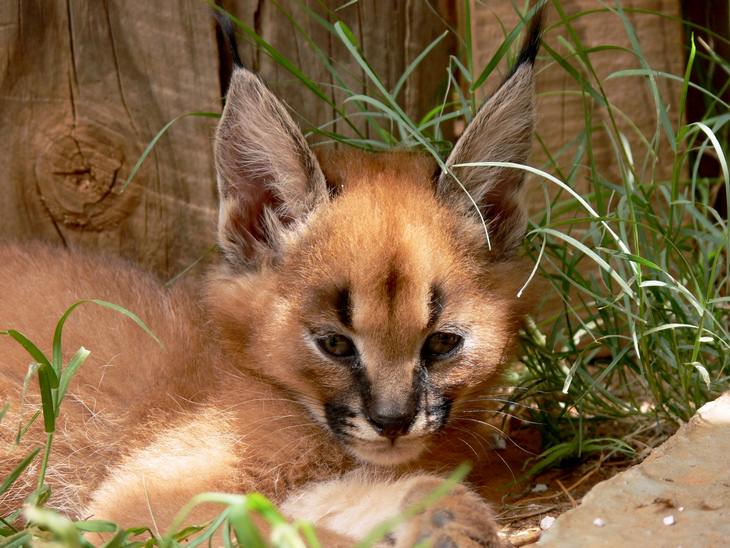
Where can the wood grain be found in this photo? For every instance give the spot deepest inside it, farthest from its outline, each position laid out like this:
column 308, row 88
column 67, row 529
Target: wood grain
column 86, row 84
column 390, row 33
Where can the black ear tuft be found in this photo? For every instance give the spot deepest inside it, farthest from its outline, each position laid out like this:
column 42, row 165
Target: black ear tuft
column 229, row 34
column 531, row 43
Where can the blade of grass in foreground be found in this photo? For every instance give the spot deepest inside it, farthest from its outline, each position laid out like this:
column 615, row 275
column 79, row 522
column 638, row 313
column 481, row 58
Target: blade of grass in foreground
column 47, row 378
column 15, row 474
column 58, row 334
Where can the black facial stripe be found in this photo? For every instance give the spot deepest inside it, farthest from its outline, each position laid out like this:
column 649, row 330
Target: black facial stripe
column 436, row 302
column 420, row 387
column 362, row 383
column 343, row 307
column 437, row 406
column 440, row 412
column 337, row 416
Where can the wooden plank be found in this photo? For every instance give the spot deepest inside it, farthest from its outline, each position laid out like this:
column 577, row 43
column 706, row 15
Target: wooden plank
column 390, row 33
column 712, row 16
column 84, row 86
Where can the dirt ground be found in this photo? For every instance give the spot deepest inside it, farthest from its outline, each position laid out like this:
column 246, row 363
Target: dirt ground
column 521, row 503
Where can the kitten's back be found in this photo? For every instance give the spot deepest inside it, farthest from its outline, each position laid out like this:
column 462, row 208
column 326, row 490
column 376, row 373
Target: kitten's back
column 128, row 376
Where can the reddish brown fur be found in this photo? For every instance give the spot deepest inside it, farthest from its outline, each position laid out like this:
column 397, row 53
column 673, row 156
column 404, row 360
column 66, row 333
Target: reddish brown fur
column 118, row 403
column 380, row 250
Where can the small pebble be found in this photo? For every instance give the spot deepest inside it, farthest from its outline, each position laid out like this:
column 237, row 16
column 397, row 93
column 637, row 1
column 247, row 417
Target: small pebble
column 546, row 522
column 681, row 509
column 668, row 520
column 539, row 488
column 599, row 522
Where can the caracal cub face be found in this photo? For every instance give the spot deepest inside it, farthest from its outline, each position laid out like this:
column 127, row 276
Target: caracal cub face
column 367, row 288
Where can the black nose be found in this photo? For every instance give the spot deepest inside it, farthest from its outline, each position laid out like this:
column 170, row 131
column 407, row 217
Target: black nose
column 391, row 425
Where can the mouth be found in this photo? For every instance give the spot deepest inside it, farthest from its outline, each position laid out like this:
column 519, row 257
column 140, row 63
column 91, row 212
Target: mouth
column 386, row 452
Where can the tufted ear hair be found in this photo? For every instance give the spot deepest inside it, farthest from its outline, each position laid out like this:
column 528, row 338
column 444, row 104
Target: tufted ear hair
column 500, row 132
column 268, row 178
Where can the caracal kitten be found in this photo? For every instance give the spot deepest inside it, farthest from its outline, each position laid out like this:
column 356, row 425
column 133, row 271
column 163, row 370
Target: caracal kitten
column 336, row 360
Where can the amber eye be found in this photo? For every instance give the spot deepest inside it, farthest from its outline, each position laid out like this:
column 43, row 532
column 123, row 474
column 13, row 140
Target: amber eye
column 336, row 345
column 441, row 344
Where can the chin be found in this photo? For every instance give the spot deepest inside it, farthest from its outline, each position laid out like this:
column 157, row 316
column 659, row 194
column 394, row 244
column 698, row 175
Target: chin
column 387, row 453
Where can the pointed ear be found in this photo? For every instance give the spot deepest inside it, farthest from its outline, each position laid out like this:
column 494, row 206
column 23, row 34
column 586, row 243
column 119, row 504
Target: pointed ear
column 268, row 177
column 500, row 132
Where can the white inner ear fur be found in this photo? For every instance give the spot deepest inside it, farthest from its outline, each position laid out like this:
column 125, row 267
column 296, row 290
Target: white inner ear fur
column 264, row 166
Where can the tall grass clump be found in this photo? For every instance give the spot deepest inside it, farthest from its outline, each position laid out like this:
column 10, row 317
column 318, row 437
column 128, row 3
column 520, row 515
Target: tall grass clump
column 640, row 264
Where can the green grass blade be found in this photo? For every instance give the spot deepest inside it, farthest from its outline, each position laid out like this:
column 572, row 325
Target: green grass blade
column 96, row 526
column 67, row 374
column 17, row 471
column 718, row 149
column 414, row 64
column 35, row 353
column 58, row 333
column 119, row 541
column 661, row 109
column 588, row 252
column 647, row 72
column 18, row 540
column 246, row 532
column 22, row 430
column 151, row 145
column 505, row 46
column 208, row 532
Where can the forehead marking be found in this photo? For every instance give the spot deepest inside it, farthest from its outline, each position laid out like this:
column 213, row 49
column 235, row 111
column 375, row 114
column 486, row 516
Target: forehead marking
column 343, row 307
column 392, row 281
column 391, row 284
column 436, row 303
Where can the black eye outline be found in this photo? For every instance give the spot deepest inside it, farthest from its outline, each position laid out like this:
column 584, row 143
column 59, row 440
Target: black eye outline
column 451, row 345
column 328, row 345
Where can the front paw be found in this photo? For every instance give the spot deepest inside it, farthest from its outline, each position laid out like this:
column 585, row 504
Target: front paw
column 460, row 519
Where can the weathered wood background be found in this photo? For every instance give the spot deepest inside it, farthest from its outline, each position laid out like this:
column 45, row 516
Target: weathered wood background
column 561, row 104
column 85, row 84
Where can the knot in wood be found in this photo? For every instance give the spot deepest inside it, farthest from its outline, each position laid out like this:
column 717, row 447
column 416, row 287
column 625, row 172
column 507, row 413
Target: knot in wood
column 80, row 182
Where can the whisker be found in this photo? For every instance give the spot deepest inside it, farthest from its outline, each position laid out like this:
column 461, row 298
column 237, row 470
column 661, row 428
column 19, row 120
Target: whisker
column 480, row 439
column 462, row 440
column 514, row 478
column 502, row 432
column 498, row 400
column 516, row 417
